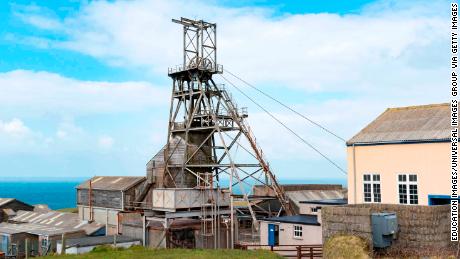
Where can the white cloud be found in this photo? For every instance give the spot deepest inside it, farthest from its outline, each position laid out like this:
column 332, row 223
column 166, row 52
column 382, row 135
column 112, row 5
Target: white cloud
column 18, row 138
column 68, row 131
column 40, row 22
column 43, row 92
column 56, row 106
column 343, row 69
column 389, row 49
column 61, row 134
column 15, row 128
column 389, row 54
column 105, row 142
column 315, row 52
column 37, row 16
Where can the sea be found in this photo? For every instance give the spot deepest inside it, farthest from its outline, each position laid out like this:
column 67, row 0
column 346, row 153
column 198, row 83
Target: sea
column 59, row 193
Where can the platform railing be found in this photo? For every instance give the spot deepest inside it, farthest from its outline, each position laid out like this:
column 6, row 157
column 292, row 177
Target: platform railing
column 213, row 68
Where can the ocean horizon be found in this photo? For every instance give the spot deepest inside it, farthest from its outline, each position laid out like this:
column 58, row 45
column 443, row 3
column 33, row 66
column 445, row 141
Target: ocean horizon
column 59, row 193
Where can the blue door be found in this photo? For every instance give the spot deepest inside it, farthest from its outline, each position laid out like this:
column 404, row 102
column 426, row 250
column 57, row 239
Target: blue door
column 4, row 243
column 271, row 234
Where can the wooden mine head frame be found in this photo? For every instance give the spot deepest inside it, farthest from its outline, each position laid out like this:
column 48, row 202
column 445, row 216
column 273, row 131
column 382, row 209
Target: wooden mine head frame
column 202, row 118
column 199, row 43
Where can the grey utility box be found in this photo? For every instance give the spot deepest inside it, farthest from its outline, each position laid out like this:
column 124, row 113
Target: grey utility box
column 384, row 228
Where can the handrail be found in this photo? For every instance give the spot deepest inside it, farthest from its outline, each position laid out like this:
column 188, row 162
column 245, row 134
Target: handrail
column 318, row 245
column 216, row 68
column 301, row 251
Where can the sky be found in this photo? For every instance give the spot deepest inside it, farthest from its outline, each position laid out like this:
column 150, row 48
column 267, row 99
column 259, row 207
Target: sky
column 85, row 91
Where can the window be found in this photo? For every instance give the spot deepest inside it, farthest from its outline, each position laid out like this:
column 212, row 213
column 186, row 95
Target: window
column 297, row 231
column 413, row 194
column 44, row 242
column 13, row 250
column 372, row 192
column 407, row 189
column 402, row 193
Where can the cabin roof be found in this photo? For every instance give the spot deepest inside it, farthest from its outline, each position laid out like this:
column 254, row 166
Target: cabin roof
column 296, row 219
column 327, row 202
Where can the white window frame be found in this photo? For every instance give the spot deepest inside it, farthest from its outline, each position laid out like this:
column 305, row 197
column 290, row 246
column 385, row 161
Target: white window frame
column 371, row 181
column 407, row 183
column 298, row 231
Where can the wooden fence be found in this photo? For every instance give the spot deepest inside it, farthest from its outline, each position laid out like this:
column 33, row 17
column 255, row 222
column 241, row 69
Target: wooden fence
column 291, row 251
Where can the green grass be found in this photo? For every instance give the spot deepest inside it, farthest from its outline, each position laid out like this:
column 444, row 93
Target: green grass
column 71, row 210
column 139, row 252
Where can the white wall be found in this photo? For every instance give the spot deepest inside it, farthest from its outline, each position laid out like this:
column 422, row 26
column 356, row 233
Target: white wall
column 305, row 208
column 311, row 235
column 86, row 249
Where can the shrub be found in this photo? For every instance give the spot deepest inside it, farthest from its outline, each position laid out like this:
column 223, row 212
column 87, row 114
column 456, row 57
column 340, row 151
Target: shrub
column 106, row 248
column 346, row 246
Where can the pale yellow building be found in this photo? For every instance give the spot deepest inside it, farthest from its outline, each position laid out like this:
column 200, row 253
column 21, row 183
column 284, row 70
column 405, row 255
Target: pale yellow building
column 402, row 157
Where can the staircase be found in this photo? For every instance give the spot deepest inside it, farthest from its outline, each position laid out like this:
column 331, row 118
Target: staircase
column 246, row 130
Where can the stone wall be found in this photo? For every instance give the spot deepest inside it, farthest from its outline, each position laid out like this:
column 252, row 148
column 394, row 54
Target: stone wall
column 420, row 227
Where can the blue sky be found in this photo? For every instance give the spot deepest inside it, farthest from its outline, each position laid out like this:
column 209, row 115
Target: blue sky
column 85, row 89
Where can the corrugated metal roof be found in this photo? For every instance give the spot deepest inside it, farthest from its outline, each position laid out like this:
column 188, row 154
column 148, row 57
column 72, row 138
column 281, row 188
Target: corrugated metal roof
column 36, row 229
column 9, row 212
column 305, row 192
column 296, row 219
column 41, row 208
column 327, row 202
column 4, row 201
column 315, row 195
column 112, row 183
column 8, row 228
column 425, row 123
column 263, row 190
column 54, row 221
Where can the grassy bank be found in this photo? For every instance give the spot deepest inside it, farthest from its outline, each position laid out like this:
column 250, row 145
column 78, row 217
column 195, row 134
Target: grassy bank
column 141, row 253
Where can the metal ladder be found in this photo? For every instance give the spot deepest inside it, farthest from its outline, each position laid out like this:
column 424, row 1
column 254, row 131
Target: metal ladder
column 208, row 215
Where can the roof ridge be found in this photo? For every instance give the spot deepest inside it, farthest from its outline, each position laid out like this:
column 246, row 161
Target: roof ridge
column 122, row 176
column 424, row 106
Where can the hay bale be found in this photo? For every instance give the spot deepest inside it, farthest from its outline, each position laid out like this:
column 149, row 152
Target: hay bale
column 346, row 246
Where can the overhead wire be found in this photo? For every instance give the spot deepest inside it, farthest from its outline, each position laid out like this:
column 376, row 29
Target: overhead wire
column 285, row 126
column 286, row 106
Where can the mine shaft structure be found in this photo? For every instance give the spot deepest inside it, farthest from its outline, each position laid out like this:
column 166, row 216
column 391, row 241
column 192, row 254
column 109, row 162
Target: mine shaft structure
column 205, row 131
column 202, row 112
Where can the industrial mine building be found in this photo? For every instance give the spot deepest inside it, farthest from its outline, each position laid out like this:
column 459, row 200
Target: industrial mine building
column 195, row 193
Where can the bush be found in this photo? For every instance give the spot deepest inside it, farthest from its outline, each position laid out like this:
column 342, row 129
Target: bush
column 346, row 246
column 105, row 248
